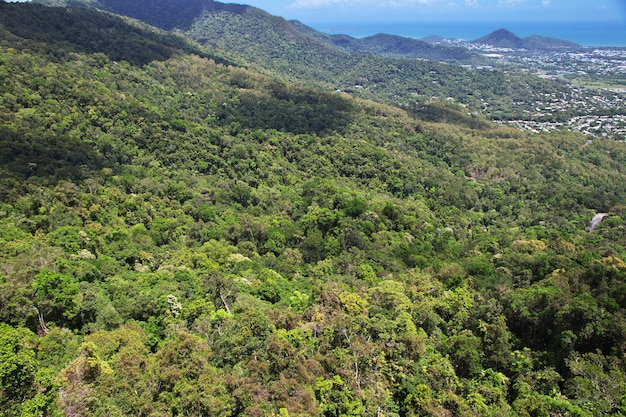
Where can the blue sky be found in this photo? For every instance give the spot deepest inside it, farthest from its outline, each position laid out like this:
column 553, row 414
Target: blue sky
column 445, row 10
column 588, row 22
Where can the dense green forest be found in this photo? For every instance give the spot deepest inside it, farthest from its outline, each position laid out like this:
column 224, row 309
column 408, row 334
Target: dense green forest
column 180, row 235
column 292, row 52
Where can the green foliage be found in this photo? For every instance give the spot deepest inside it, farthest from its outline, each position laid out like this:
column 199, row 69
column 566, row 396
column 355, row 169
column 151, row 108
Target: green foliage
column 17, row 369
column 75, row 29
column 56, row 296
column 29, row 366
column 191, row 238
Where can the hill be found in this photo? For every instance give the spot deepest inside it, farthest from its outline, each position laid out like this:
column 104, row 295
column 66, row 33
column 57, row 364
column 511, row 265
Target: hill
column 503, row 38
column 394, row 46
column 188, row 237
column 182, row 15
column 286, row 50
column 166, row 15
column 88, row 31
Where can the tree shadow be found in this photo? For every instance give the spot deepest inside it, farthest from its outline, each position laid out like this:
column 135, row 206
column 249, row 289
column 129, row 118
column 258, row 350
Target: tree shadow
column 58, row 30
column 167, row 15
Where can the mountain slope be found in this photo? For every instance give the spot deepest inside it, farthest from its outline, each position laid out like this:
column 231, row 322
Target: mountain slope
column 271, row 45
column 162, row 14
column 392, row 45
column 182, row 14
column 545, row 42
column 503, row 38
column 183, row 237
column 83, row 30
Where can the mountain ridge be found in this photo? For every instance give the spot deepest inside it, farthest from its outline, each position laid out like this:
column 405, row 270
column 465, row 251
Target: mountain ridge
column 185, row 13
column 391, row 45
column 503, row 38
column 149, row 44
column 273, row 46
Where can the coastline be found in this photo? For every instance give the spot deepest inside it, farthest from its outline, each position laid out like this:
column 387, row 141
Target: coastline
column 584, row 33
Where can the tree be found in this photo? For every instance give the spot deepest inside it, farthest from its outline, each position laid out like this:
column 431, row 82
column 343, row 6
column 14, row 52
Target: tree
column 18, row 366
column 56, row 297
column 187, row 382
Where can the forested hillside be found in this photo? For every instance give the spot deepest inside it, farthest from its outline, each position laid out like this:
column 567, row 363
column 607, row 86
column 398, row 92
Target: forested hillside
column 184, row 236
column 293, row 53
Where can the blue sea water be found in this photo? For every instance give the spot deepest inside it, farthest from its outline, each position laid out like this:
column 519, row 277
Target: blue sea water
column 583, row 33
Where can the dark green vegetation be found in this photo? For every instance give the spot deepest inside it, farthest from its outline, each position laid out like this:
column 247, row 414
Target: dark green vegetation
column 293, row 53
column 184, row 237
column 57, row 31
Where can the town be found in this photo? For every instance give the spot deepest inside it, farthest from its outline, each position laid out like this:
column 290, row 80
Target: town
column 594, row 101
column 590, row 111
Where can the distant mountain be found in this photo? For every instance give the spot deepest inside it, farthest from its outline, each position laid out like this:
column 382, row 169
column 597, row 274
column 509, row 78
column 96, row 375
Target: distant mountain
column 415, row 48
column 503, row 38
column 292, row 52
column 434, row 39
column 544, row 42
column 187, row 15
column 392, row 45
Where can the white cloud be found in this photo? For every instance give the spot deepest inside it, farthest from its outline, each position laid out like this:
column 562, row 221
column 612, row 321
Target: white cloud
column 318, row 3
column 510, row 2
column 407, row 2
column 356, row 3
column 432, row 4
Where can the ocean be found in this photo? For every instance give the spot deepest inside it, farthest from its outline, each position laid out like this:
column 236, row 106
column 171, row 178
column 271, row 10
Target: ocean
column 583, row 33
